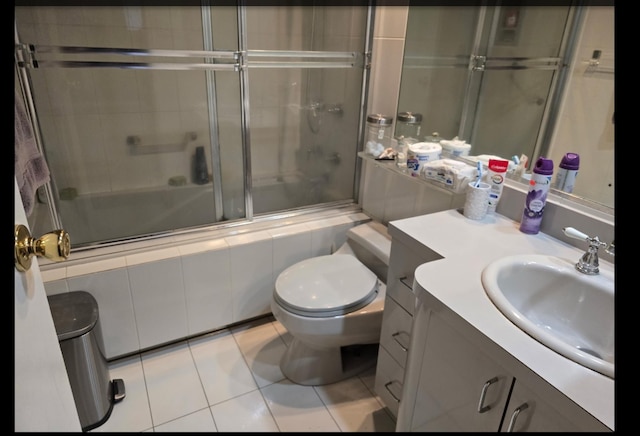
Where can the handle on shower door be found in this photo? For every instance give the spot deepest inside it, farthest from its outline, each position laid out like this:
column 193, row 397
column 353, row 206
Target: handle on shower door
column 55, row 246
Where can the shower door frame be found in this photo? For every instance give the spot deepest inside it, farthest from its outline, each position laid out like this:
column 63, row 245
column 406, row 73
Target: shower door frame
column 240, row 61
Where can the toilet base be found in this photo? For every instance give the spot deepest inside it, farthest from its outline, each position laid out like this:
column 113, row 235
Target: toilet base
column 308, row 366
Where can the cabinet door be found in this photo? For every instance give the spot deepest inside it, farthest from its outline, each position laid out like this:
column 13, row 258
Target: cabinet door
column 546, row 410
column 460, row 387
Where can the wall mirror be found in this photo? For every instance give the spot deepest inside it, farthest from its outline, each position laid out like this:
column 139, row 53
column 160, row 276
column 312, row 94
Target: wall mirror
column 513, row 80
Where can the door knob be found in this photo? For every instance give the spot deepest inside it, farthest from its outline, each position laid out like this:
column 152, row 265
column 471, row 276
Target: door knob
column 54, row 246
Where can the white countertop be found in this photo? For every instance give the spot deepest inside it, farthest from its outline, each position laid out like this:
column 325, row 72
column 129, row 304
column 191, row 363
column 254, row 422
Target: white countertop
column 467, row 247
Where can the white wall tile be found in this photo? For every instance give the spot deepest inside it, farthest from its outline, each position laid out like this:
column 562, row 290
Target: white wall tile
column 400, row 197
column 386, row 70
column 57, row 273
column 375, row 182
column 159, row 301
column 391, row 22
column 98, row 266
column 207, row 288
column 56, row 287
column 290, row 248
column 115, row 308
column 251, row 275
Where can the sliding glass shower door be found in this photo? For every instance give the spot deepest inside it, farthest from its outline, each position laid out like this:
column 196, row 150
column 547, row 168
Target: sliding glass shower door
column 155, row 119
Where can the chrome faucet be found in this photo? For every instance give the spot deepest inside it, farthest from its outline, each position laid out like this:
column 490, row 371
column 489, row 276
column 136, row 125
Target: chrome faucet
column 588, row 263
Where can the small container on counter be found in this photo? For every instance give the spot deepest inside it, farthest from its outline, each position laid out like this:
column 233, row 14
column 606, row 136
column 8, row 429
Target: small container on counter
column 408, row 126
column 455, row 147
column 378, row 137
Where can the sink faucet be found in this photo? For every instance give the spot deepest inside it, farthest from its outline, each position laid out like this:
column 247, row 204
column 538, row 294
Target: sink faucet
column 588, row 263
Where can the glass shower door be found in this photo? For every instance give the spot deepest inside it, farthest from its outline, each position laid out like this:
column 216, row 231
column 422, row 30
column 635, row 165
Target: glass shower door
column 155, row 119
column 124, row 110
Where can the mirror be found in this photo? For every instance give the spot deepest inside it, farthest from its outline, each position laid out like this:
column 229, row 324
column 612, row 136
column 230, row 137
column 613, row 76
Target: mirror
column 513, row 80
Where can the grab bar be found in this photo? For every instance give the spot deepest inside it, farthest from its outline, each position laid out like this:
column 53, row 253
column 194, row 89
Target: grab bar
column 137, row 147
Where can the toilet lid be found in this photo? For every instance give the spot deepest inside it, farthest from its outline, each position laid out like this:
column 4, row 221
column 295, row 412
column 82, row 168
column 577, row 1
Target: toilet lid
column 326, row 286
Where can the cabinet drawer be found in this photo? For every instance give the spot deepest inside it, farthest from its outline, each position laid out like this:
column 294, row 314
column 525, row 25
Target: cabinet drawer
column 402, row 265
column 395, row 335
column 389, row 379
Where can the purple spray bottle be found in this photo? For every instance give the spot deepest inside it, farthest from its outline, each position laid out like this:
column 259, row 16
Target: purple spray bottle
column 537, row 196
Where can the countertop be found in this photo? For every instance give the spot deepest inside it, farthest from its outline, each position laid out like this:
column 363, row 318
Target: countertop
column 469, row 246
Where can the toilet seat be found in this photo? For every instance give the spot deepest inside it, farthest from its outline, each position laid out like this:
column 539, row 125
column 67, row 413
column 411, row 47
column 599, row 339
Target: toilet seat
column 326, row 286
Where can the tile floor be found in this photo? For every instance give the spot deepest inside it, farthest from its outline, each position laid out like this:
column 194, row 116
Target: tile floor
column 230, row 381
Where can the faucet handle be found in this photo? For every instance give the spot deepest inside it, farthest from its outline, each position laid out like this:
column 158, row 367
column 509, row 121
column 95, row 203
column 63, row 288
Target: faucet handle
column 611, row 249
column 576, row 234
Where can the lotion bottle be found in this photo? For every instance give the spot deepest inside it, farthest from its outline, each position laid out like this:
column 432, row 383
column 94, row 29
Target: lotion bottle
column 537, row 196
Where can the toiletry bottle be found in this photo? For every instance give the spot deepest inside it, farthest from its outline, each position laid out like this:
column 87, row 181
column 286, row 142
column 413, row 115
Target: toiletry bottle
column 495, row 175
column 201, row 173
column 567, row 172
column 537, row 196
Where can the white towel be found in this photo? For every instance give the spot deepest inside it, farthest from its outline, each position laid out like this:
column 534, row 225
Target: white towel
column 31, row 168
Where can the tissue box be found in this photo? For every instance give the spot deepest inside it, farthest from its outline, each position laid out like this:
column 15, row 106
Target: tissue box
column 449, row 173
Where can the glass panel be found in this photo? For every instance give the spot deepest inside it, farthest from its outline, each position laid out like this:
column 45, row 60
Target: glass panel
column 510, row 111
column 434, row 74
column 121, row 144
column 136, row 152
column 304, row 122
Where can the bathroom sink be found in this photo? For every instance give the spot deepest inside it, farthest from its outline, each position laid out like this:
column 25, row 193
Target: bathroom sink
column 570, row 312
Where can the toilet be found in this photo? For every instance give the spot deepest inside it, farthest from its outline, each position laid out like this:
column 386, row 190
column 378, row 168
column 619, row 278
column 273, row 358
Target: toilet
column 332, row 307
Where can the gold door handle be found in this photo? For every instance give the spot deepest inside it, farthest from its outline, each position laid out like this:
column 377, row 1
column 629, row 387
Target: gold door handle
column 54, row 246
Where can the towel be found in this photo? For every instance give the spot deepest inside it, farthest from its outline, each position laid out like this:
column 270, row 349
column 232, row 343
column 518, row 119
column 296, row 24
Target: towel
column 30, row 166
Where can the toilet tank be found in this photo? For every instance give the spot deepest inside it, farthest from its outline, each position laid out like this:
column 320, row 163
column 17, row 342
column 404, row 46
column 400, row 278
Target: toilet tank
column 371, row 244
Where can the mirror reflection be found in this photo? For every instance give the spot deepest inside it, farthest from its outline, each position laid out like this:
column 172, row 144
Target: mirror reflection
column 516, row 81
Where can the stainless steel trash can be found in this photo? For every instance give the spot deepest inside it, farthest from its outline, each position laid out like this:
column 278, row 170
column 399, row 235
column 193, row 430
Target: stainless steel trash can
column 76, row 318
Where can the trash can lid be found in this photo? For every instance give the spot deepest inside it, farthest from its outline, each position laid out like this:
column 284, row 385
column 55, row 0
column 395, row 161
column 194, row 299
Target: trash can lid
column 74, row 313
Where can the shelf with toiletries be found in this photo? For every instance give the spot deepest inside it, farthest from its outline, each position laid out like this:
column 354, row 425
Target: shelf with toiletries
column 390, row 164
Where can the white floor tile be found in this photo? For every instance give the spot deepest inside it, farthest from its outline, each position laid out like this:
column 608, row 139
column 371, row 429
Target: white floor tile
column 246, row 413
column 200, row 421
column 298, row 408
column 221, row 366
column 230, row 381
column 173, row 383
column 368, row 377
column 262, row 348
column 133, row 413
column 352, row 406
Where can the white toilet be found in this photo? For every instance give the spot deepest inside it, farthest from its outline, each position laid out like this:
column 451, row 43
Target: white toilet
column 332, row 306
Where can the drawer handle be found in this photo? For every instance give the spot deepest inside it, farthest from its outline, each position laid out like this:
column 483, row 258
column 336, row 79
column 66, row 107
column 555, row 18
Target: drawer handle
column 407, row 281
column 395, row 336
column 481, row 407
column 386, row 385
column 514, row 416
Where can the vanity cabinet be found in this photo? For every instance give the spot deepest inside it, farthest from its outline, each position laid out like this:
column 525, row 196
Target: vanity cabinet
column 395, row 334
column 459, row 380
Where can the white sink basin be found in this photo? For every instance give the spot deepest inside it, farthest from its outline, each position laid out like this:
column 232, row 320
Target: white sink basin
column 569, row 312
